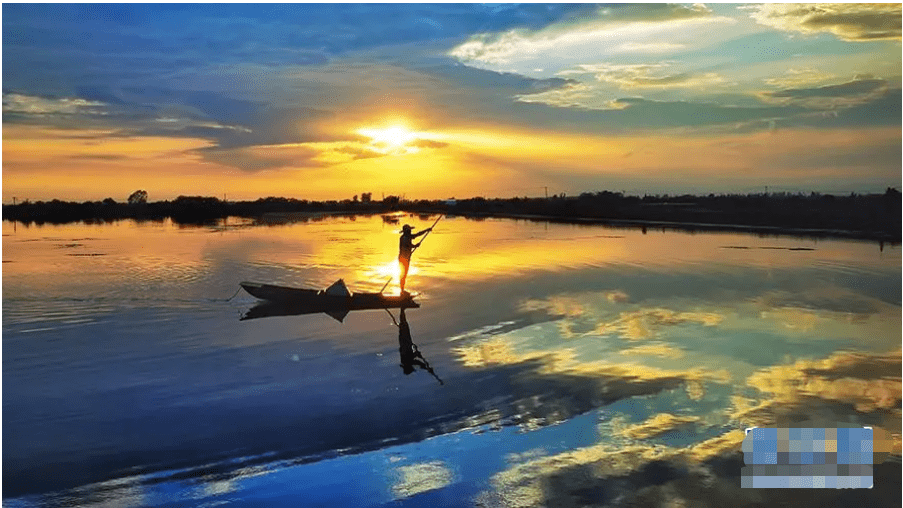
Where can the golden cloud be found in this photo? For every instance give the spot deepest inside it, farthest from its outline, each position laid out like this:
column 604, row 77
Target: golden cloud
column 658, row 425
column 799, row 78
column 855, row 22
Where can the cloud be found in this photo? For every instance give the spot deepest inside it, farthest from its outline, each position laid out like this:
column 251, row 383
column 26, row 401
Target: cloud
column 631, row 76
column 854, row 22
column 359, row 152
column 650, row 47
column 32, row 105
column 588, row 37
column 795, row 78
column 588, row 111
column 241, row 132
column 577, row 95
column 653, row 12
column 258, row 158
column 428, row 143
column 859, row 91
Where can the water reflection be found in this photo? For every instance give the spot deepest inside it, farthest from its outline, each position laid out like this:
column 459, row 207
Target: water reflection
column 411, row 356
column 290, row 301
column 283, row 301
column 631, row 362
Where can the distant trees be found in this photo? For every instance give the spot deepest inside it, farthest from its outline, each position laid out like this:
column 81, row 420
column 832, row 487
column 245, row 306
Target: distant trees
column 139, row 197
column 861, row 215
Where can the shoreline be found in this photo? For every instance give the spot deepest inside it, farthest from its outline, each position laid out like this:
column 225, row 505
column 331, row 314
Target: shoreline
column 275, row 218
column 873, row 217
column 697, row 226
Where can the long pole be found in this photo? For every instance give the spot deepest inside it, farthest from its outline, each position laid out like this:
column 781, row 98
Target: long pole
column 428, row 232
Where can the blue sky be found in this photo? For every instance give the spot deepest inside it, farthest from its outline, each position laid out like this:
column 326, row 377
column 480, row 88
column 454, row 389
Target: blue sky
column 271, row 99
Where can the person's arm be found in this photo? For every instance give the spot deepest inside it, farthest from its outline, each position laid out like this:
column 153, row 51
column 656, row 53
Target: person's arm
column 425, row 231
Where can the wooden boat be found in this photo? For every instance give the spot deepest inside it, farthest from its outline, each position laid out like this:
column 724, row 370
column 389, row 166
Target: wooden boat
column 335, row 301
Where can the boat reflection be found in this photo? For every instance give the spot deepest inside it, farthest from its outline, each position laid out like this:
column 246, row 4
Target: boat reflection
column 313, row 302
column 335, row 301
column 276, row 309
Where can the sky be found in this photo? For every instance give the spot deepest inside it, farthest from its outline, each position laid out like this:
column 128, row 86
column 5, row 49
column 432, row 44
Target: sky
column 433, row 101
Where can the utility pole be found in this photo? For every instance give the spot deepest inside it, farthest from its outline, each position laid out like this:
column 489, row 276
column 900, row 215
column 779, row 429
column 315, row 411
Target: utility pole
column 547, row 192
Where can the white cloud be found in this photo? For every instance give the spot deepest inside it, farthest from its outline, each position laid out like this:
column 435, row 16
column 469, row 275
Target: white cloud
column 32, row 105
column 649, row 47
column 799, row 78
column 560, row 46
column 579, row 95
column 629, row 76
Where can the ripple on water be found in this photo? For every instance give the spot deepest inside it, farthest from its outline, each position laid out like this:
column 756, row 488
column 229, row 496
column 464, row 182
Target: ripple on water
column 57, row 313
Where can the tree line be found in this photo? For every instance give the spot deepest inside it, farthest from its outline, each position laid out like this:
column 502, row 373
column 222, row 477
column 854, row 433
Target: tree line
column 870, row 215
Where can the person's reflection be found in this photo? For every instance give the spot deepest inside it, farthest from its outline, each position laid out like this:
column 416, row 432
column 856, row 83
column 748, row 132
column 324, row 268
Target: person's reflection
column 407, row 350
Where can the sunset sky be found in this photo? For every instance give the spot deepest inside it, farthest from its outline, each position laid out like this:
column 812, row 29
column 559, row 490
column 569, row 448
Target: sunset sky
column 328, row 101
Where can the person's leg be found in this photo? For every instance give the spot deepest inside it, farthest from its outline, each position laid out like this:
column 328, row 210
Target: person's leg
column 403, row 264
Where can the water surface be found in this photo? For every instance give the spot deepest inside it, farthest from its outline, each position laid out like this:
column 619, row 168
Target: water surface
column 582, row 365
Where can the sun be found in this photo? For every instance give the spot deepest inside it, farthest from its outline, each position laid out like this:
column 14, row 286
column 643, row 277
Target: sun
column 395, row 138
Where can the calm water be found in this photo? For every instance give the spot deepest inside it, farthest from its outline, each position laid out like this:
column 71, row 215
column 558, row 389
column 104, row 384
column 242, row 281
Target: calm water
column 581, row 365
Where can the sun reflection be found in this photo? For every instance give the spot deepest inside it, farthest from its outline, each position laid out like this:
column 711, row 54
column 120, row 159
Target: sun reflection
column 391, row 269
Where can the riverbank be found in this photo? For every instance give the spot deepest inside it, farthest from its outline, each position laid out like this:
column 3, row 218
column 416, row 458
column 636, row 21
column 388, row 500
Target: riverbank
column 702, row 227
column 873, row 217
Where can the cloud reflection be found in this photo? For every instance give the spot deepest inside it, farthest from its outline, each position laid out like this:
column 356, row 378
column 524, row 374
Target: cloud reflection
column 423, row 477
column 657, row 425
column 662, row 350
column 846, row 386
column 613, row 381
column 647, row 323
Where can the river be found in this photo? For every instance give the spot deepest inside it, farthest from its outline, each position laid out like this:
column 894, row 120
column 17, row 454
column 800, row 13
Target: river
column 571, row 365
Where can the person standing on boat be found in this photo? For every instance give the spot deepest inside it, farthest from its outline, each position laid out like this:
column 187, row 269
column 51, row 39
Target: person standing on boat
column 406, row 247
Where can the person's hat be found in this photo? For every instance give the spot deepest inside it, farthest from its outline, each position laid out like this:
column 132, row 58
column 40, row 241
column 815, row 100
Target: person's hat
column 407, row 227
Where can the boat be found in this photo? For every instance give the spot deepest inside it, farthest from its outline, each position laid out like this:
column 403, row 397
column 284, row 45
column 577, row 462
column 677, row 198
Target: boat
column 336, row 301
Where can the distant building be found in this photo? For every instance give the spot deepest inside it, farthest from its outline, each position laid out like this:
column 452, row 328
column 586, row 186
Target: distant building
column 451, row 202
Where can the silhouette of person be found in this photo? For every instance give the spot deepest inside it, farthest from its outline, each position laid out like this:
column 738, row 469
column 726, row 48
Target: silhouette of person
column 407, row 350
column 406, row 247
